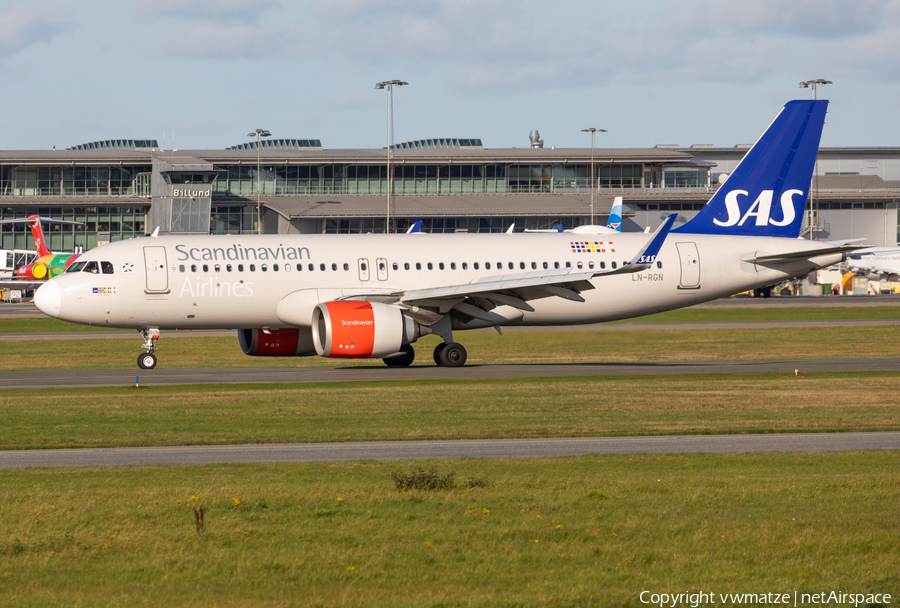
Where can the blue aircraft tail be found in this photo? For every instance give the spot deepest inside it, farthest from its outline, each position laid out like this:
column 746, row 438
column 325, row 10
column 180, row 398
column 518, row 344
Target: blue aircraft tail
column 766, row 194
column 615, row 215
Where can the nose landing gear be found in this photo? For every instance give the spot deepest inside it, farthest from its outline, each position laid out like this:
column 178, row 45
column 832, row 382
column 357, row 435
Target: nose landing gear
column 147, row 360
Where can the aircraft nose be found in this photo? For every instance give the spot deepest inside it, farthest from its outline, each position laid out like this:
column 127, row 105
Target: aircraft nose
column 48, row 298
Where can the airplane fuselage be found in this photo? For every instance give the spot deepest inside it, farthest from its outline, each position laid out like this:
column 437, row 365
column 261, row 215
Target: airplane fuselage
column 217, row 282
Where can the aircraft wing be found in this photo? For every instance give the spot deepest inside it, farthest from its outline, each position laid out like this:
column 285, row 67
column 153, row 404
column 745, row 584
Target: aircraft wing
column 516, row 289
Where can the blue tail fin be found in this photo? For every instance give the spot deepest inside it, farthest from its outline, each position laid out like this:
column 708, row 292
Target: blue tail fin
column 615, row 215
column 766, row 194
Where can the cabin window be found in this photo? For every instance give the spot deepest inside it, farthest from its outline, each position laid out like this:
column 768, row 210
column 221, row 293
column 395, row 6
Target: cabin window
column 452, row 265
column 216, row 268
column 395, row 265
column 264, row 267
column 511, row 266
column 556, row 264
column 240, row 268
column 347, row 266
column 430, row 266
column 299, row 267
column 521, row 265
column 418, row 265
column 465, row 265
column 475, row 265
column 287, row 267
column 534, row 265
column 405, row 265
column 274, row 267
column 228, row 267
column 602, row 265
column 206, row 268
column 568, row 264
column 252, row 267
column 591, row 265
column 487, row 265
column 613, row 265
column 311, row 267
column 180, row 268
column 334, row 267
column 107, row 267
column 546, row 265
column 580, row 265
column 322, row 267
column 659, row 264
column 440, row 265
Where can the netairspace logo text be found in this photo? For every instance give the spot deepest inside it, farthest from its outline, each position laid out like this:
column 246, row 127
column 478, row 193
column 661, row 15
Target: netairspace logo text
column 825, row 598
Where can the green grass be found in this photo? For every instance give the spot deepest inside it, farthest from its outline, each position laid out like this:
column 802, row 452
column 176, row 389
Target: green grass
column 585, row 531
column 448, row 409
column 485, row 347
column 685, row 315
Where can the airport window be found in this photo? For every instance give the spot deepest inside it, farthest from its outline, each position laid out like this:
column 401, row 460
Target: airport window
column 322, row 267
column 180, row 268
column 418, row 265
column 107, row 267
column 217, row 268
column 77, row 266
column 228, row 267
column 240, row 268
column 465, row 265
column 347, row 266
column 430, row 266
column 475, row 265
column 441, row 265
column 252, row 267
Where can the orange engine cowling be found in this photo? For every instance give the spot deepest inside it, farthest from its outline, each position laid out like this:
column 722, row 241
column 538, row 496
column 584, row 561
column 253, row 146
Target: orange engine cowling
column 290, row 342
column 361, row 329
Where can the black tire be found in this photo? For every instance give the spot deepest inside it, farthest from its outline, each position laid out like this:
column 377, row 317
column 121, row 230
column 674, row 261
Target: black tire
column 453, row 355
column 146, row 361
column 402, row 360
column 437, row 353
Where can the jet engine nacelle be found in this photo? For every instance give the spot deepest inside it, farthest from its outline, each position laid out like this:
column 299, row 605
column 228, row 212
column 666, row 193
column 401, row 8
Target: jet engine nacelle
column 290, row 342
column 361, row 329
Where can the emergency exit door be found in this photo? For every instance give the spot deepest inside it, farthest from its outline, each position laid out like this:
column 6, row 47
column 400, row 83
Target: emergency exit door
column 157, row 274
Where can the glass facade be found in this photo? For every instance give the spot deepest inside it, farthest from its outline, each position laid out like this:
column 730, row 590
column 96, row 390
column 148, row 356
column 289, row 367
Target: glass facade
column 233, row 219
column 73, row 181
column 442, row 179
column 120, row 222
column 441, row 225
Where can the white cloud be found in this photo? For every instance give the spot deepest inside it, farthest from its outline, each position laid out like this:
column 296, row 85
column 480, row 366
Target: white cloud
column 26, row 25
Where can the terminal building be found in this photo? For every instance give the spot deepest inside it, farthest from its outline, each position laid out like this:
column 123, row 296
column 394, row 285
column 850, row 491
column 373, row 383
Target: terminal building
column 126, row 188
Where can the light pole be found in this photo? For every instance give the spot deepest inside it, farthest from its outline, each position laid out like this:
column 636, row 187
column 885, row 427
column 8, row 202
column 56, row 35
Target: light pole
column 389, row 85
column 258, row 134
column 814, row 208
column 592, row 131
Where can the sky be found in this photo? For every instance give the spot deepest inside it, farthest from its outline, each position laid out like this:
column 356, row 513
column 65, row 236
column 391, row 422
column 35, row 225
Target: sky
column 207, row 72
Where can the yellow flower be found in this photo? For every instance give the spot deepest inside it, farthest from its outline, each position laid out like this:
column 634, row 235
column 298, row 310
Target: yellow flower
column 350, row 568
column 536, row 540
column 538, row 516
column 616, row 535
column 486, row 511
column 559, row 527
column 237, row 502
column 194, row 499
column 428, row 545
column 340, row 499
column 179, row 502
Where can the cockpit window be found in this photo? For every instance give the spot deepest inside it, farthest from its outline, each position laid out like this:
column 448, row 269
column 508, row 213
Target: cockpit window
column 91, row 267
column 107, row 267
column 76, row 267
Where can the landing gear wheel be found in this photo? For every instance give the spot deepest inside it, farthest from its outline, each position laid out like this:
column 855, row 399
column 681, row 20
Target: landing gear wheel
column 402, row 360
column 437, row 353
column 453, row 355
column 146, row 361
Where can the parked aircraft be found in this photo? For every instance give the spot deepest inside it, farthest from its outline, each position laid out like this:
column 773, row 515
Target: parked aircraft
column 47, row 264
column 373, row 295
column 875, row 262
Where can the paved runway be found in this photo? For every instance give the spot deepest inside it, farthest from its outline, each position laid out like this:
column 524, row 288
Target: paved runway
column 416, row 450
column 368, row 372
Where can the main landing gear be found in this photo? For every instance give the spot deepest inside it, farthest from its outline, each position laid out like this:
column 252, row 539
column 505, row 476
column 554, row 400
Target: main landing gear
column 450, row 354
column 147, row 360
column 404, row 359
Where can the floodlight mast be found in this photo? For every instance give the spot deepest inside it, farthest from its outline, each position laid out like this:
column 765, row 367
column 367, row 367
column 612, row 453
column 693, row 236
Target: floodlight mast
column 592, row 131
column 258, row 134
column 389, row 85
column 814, row 207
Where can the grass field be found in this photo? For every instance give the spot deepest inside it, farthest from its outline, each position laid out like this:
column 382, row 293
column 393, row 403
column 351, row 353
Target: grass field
column 586, row 531
column 449, row 409
column 486, row 347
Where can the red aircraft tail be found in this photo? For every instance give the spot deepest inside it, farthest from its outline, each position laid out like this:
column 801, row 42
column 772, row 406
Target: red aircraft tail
column 38, row 235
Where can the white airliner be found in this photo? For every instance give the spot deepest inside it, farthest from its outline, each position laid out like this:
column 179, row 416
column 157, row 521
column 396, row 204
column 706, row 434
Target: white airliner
column 875, row 262
column 372, row 295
